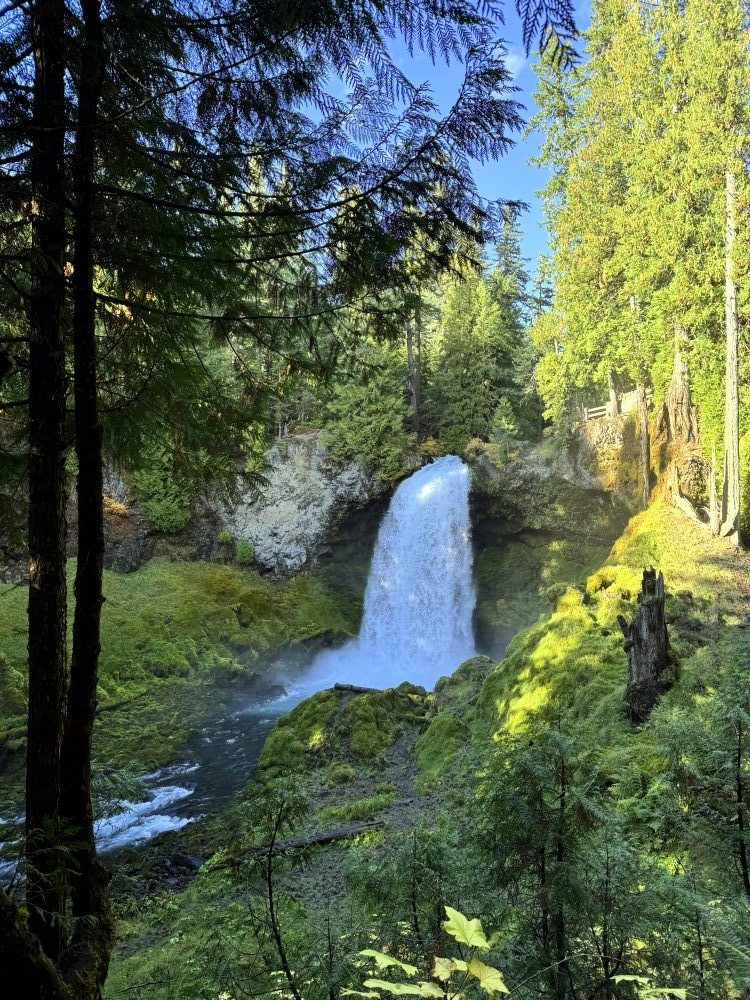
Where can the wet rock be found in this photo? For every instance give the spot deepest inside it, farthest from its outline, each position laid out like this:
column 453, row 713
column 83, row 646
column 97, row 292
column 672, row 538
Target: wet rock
column 129, row 554
column 275, row 691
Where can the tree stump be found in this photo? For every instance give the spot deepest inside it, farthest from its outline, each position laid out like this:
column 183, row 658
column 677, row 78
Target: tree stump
column 647, row 646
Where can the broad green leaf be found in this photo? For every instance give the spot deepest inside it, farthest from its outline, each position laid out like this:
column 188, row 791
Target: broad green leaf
column 384, row 961
column 359, row 993
column 431, row 990
column 491, row 980
column 631, row 979
column 443, row 969
column 465, row 931
column 398, row 989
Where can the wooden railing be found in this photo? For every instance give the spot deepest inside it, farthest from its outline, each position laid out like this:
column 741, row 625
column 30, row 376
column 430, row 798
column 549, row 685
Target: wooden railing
column 594, row 412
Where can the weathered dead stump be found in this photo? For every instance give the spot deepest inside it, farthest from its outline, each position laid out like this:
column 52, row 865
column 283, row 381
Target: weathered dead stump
column 650, row 671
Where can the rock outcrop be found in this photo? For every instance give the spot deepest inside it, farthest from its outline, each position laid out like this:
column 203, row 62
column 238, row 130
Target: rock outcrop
column 306, row 500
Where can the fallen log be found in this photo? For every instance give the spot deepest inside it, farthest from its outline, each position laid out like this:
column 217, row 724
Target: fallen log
column 353, row 689
column 327, row 837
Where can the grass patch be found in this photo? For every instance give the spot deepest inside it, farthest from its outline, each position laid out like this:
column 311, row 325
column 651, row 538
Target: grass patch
column 361, row 809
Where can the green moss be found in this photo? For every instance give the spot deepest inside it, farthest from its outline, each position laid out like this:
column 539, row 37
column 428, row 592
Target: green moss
column 438, row 745
column 334, row 726
column 572, row 663
column 166, row 630
column 369, row 723
column 517, row 579
column 299, row 739
column 245, row 552
column 341, row 773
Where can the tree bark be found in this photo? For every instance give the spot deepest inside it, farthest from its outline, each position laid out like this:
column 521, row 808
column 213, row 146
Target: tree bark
column 561, row 963
column 713, row 502
column 25, row 970
column 46, row 471
column 647, row 646
column 730, row 508
column 682, row 420
column 741, row 812
column 645, row 444
column 93, row 939
column 614, row 396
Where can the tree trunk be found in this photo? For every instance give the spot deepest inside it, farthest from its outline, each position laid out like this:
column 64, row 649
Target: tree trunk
column 741, row 813
column 46, row 470
column 647, row 646
column 614, row 396
column 713, row 502
column 645, row 444
column 25, row 970
column 682, row 421
column 561, row 960
column 413, row 361
column 93, row 938
column 730, row 508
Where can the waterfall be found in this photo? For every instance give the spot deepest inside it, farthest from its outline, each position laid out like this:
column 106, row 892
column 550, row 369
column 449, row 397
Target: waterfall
column 420, row 596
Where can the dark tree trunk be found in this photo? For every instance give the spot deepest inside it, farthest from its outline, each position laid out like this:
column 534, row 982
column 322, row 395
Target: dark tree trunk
column 46, row 469
column 614, row 395
column 741, row 813
column 561, row 960
column 93, row 939
column 647, row 646
column 25, row 970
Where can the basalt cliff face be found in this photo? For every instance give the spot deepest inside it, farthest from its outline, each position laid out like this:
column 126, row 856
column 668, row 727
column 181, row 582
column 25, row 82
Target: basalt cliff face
column 296, row 518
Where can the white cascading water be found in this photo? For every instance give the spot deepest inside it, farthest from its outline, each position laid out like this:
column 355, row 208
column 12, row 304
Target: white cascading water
column 419, row 601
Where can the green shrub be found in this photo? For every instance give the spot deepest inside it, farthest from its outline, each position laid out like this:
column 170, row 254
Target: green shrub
column 245, row 552
column 224, row 537
column 341, row 773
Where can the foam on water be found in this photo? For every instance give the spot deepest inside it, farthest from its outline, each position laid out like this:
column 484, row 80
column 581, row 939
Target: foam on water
column 140, row 821
column 419, row 601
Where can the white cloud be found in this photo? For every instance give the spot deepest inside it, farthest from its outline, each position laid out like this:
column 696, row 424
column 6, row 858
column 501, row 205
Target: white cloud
column 514, row 62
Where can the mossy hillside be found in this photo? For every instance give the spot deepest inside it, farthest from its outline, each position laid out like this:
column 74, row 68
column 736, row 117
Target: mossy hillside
column 571, row 665
column 568, row 669
column 166, row 628
column 452, row 708
column 515, row 577
column 337, row 726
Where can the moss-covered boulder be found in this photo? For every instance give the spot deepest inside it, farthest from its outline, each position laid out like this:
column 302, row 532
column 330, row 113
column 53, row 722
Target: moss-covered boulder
column 341, row 726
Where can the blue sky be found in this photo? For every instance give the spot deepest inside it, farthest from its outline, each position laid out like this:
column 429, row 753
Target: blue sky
column 512, row 177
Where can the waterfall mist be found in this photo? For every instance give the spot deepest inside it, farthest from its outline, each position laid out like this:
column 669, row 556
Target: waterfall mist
column 419, row 601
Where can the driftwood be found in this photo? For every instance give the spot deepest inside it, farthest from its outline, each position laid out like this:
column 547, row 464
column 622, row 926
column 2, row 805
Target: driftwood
column 328, row 837
column 353, row 688
column 647, row 646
